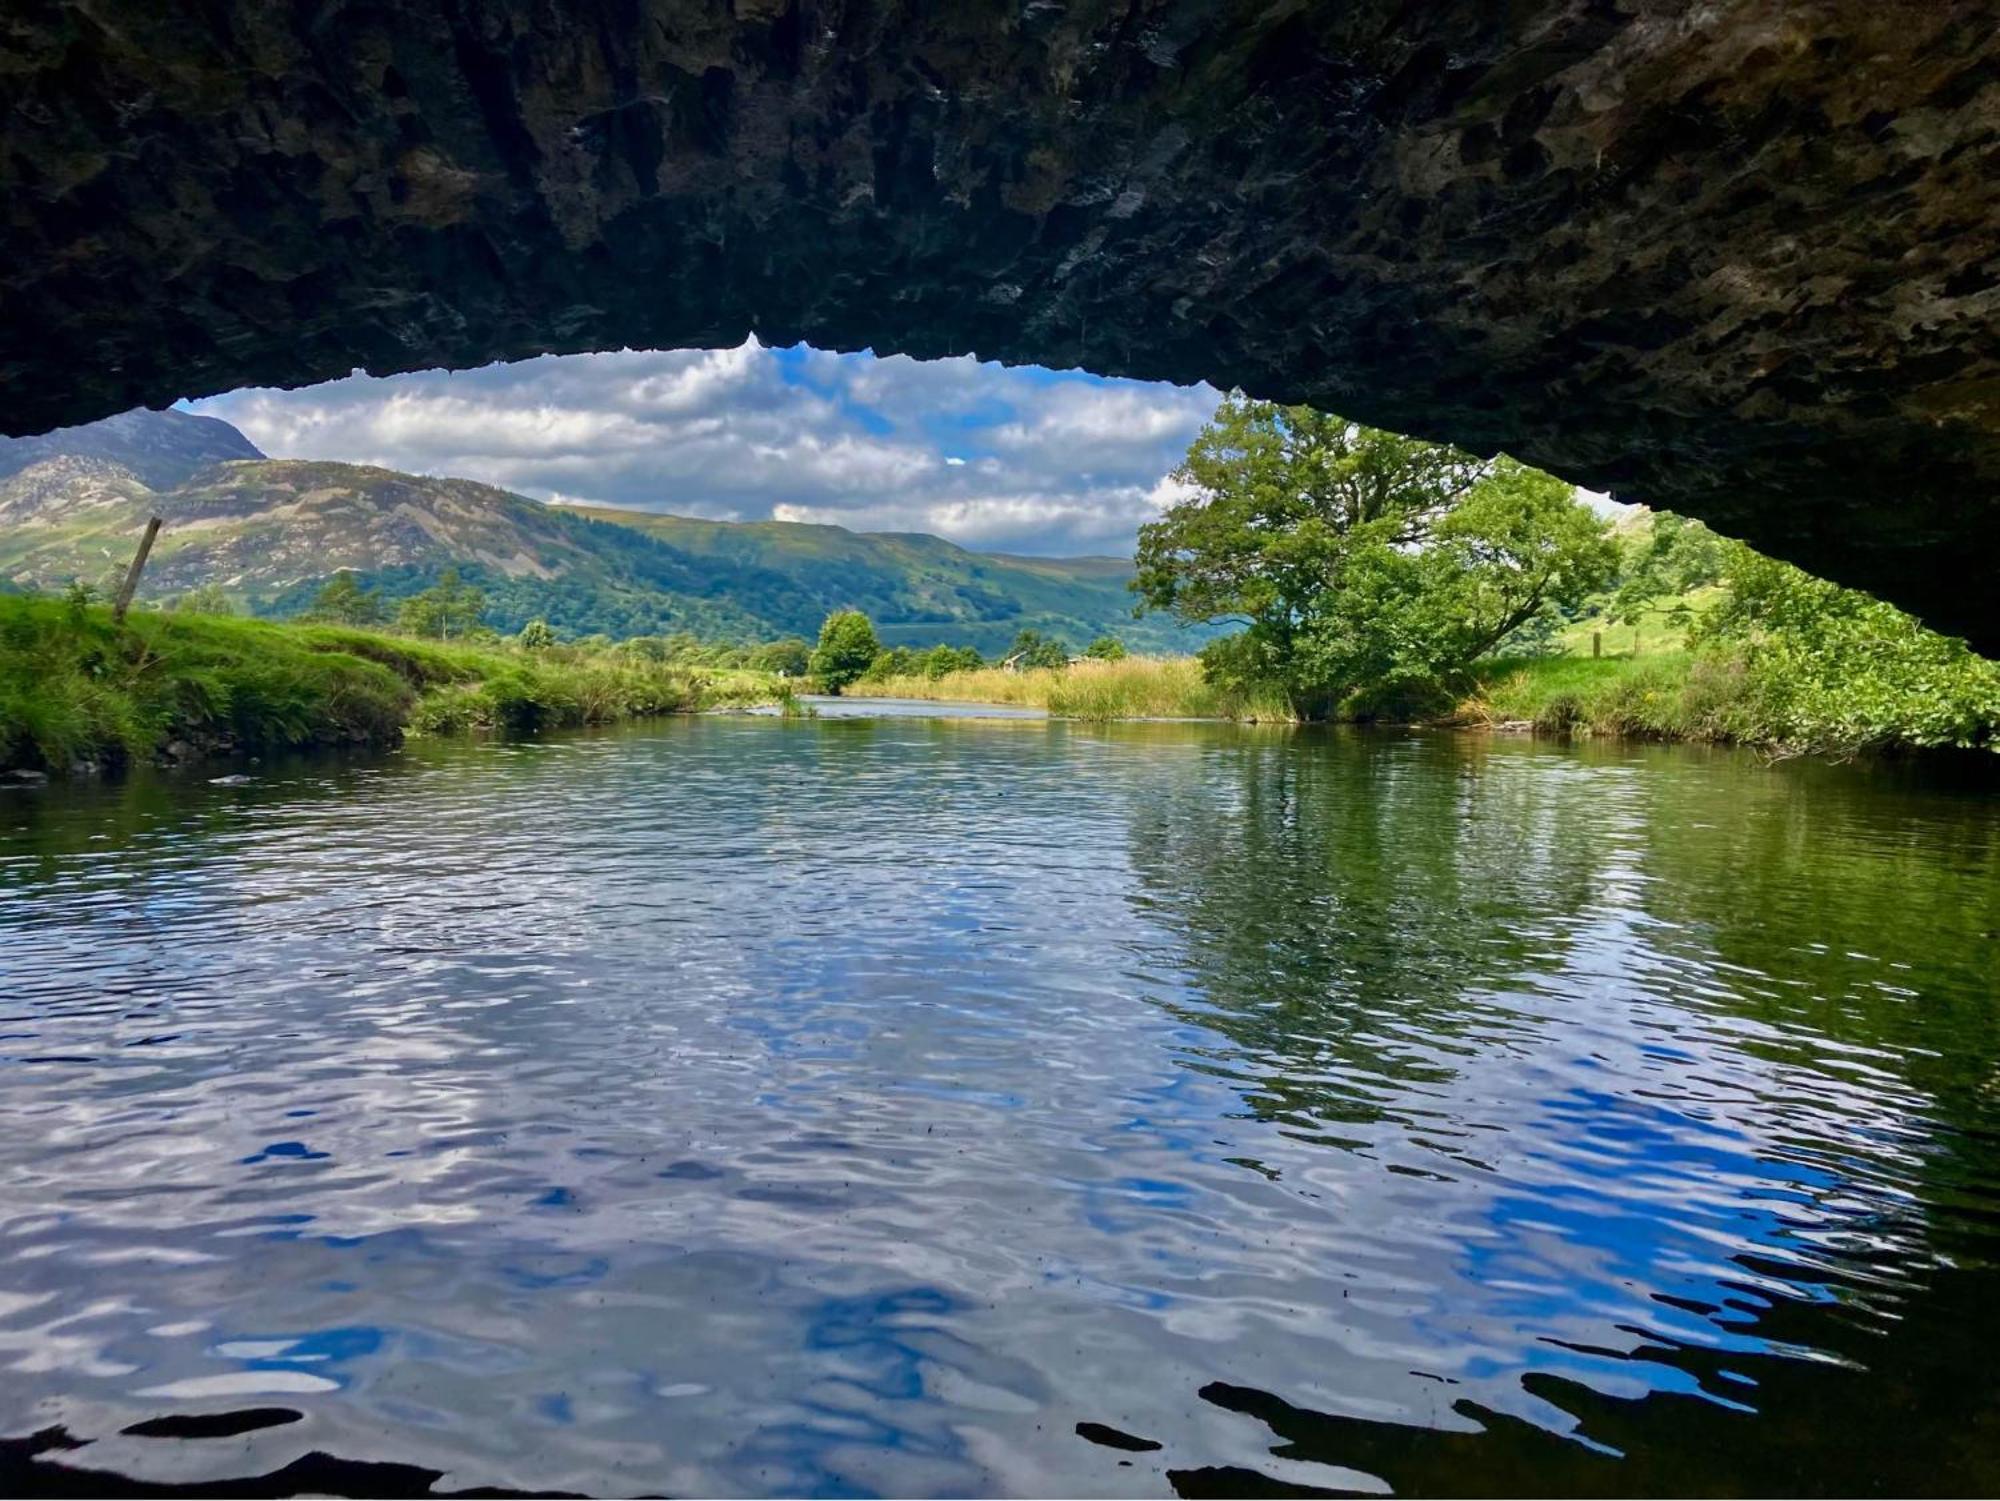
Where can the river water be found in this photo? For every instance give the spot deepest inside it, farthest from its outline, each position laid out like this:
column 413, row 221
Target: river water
column 931, row 1106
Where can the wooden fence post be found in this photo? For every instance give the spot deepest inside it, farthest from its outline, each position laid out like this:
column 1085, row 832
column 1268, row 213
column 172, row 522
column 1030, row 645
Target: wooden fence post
column 1597, row 643
column 131, row 584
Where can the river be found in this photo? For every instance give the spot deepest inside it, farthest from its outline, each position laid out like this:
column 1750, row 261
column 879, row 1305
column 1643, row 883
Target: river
column 922, row 1105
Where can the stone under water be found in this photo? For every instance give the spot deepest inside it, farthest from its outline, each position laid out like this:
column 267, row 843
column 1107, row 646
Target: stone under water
column 1737, row 259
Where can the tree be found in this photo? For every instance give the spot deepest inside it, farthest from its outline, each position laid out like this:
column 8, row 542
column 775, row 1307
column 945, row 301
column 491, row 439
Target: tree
column 789, row 658
column 342, row 601
column 1362, row 564
column 894, row 661
column 847, row 648
column 450, row 607
column 1673, row 557
column 1106, row 649
column 1033, row 649
column 942, row 660
column 536, row 636
column 209, row 599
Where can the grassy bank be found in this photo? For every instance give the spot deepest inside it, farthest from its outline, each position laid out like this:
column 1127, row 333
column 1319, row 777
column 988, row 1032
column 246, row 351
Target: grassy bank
column 1830, row 707
column 1714, row 695
column 1668, row 696
column 1134, row 688
column 77, row 691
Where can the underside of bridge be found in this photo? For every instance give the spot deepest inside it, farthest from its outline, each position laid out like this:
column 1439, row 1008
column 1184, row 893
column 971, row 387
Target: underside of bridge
column 1740, row 258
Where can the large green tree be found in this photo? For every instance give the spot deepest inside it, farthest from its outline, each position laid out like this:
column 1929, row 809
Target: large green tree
column 1363, row 565
column 847, row 648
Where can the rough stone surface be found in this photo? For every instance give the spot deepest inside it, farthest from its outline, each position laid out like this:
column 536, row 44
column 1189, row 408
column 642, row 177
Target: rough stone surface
column 1736, row 258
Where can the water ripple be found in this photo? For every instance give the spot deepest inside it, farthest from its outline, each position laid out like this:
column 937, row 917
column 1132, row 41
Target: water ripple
column 900, row 1107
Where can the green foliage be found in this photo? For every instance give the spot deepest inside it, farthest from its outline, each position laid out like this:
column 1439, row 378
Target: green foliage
column 1369, row 570
column 847, row 648
column 209, row 599
column 942, row 659
column 789, row 658
column 1833, row 670
column 449, row 608
column 1670, row 559
column 342, row 601
column 535, row 636
column 896, row 661
column 1032, row 650
column 1783, row 660
column 1106, row 649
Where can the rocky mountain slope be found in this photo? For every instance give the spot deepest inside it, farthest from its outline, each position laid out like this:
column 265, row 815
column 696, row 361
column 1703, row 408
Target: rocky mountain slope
column 271, row 531
column 162, row 449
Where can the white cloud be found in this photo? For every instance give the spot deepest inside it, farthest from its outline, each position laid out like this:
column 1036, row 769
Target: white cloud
column 987, row 455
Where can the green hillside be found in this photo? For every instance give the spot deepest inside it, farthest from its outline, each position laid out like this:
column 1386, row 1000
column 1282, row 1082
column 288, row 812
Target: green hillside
column 270, row 532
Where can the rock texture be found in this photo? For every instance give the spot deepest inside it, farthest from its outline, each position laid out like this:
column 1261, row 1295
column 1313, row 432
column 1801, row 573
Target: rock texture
column 1737, row 258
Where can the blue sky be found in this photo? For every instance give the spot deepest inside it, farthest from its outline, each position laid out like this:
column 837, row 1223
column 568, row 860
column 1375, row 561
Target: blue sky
column 1015, row 459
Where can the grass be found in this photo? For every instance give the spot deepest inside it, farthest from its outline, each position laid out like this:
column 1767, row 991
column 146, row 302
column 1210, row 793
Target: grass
column 1661, row 631
column 1666, row 696
column 77, row 691
column 1135, row 688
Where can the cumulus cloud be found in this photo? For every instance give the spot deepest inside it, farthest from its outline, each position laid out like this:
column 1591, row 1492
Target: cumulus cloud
column 1017, row 459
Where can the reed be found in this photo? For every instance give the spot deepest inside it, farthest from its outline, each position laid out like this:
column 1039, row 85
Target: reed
column 1133, row 688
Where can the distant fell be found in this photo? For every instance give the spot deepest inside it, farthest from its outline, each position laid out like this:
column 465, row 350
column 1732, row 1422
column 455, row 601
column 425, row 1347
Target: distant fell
column 272, row 531
column 162, row 449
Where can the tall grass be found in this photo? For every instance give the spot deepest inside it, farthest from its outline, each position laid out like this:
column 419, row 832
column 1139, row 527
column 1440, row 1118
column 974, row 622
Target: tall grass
column 1708, row 696
column 77, row 690
column 1134, row 688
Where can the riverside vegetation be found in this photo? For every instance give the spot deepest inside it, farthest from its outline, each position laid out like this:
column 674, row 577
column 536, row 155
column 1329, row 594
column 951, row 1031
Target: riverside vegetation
column 1366, row 576
column 1373, row 576
column 79, row 691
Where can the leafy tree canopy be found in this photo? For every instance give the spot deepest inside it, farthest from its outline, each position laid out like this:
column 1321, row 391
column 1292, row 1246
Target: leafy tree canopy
column 1363, row 565
column 208, row 599
column 942, row 659
column 847, row 648
column 1672, row 558
column 790, row 657
column 1106, row 649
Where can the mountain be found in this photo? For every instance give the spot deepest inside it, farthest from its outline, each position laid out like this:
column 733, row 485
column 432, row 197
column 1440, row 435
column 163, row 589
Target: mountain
column 271, row 531
column 162, row 449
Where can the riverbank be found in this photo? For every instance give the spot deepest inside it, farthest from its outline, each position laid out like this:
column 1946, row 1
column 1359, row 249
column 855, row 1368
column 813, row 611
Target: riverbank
column 1131, row 688
column 79, row 693
column 1721, row 696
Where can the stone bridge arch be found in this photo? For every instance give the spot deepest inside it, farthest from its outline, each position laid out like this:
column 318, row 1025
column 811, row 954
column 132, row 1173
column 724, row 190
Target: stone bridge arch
column 1737, row 258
